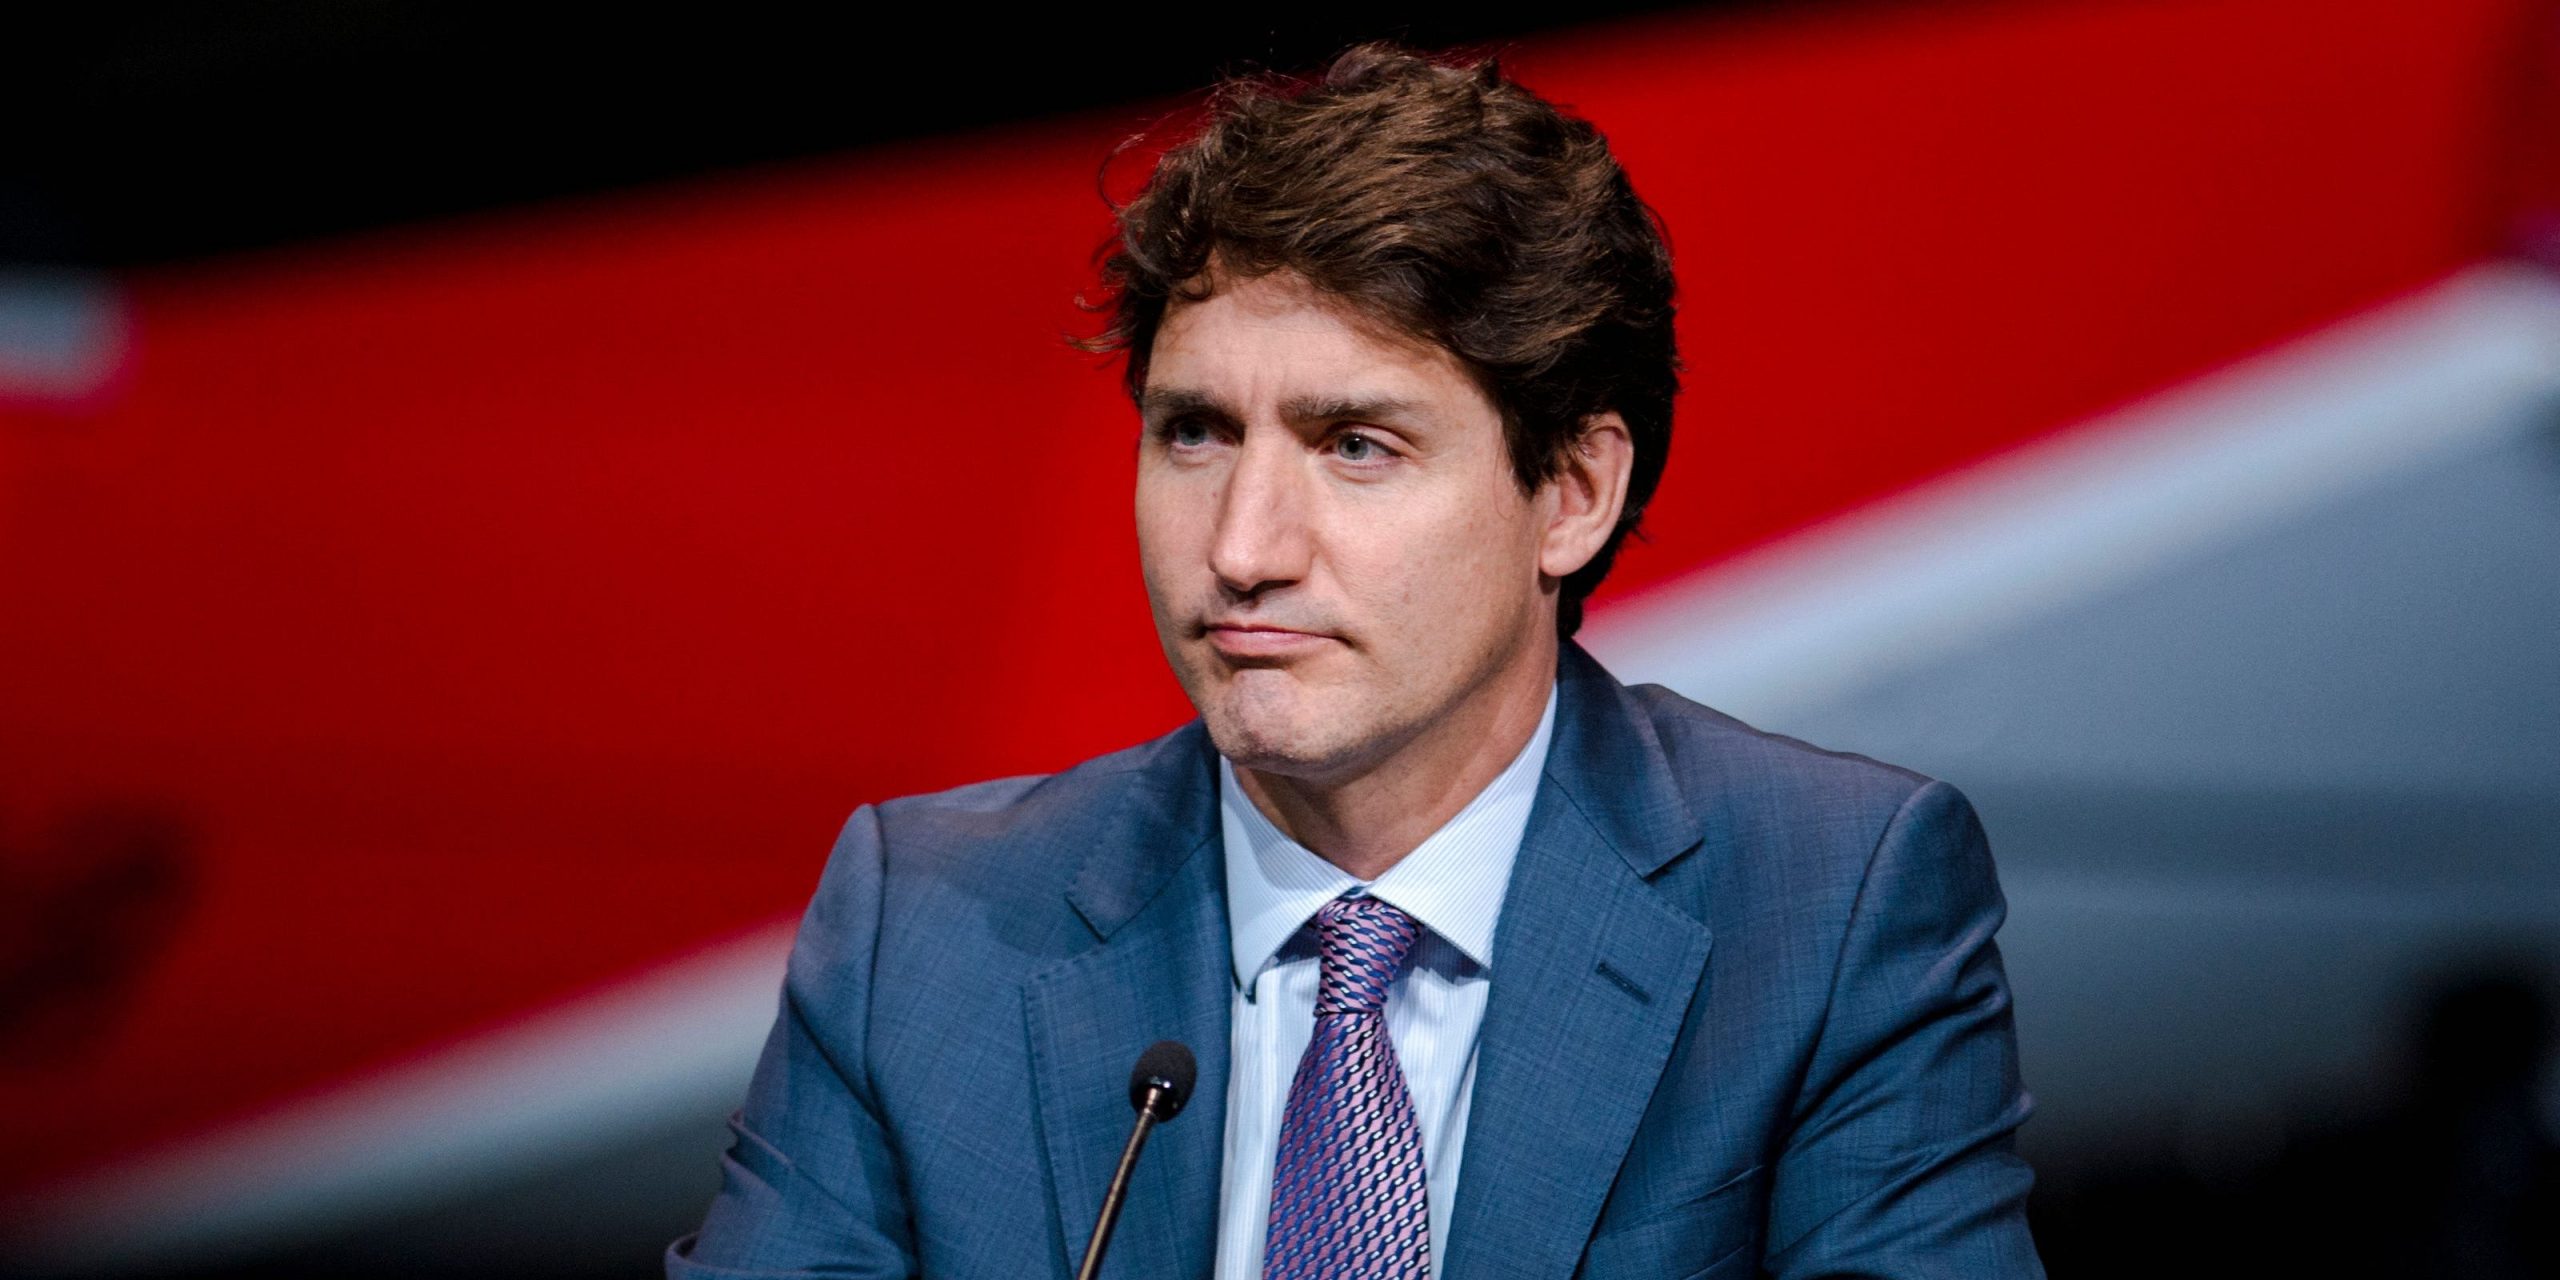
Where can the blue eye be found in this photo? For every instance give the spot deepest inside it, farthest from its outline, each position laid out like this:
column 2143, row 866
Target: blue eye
column 1186, row 433
column 1358, row 448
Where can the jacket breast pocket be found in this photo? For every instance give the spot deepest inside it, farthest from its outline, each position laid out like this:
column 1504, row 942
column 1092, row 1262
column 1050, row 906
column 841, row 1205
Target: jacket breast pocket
column 1708, row 1236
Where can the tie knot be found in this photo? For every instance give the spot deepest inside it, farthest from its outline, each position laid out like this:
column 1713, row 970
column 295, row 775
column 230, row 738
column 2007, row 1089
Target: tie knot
column 1362, row 941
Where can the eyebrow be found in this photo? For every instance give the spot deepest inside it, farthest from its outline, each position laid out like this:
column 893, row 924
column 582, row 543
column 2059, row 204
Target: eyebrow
column 1158, row 403
column 1380, row 409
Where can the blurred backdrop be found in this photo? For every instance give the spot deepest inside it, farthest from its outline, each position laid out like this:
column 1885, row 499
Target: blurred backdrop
column 482, row 496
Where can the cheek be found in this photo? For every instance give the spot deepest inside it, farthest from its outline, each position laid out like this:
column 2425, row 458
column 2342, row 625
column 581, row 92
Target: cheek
column 1465, row 563
column 1164, row 527
column 1493, row 546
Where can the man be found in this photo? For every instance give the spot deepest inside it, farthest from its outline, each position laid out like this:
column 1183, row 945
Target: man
column 1493, row 966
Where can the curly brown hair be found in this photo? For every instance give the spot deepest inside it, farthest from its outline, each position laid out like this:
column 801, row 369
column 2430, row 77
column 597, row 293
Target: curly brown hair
column 1447, row 201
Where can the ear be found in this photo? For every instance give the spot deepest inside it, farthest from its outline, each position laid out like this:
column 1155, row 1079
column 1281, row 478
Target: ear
column 1590, row 491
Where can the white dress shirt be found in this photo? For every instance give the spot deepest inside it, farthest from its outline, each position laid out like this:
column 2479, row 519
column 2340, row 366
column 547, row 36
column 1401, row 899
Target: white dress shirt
column 1452, row 884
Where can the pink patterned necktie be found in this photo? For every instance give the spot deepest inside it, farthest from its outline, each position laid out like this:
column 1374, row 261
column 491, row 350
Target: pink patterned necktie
column 1347, row 1195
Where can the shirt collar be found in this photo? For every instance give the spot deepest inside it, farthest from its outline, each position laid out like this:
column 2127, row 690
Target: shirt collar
column 1452, row 883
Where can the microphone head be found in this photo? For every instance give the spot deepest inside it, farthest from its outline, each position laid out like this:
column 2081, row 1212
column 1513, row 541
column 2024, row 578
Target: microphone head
column 1167, row 1071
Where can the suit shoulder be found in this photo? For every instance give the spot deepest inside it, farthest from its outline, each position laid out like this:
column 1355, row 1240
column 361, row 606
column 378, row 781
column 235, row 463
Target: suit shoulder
column 1720, row 760
column 1793, row 832
column 986, row 820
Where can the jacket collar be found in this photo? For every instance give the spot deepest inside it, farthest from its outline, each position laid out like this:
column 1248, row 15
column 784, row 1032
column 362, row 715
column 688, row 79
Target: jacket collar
column 1610, row 762
column 1598, row 973
column 1166, row 812
column 1153, row 893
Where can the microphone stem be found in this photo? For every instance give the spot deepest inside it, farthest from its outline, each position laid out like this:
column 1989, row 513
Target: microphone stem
column 1119, row 1189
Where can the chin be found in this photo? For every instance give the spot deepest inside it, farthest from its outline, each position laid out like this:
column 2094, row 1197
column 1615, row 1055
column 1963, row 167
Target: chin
column 1255, row 743
column 1269, row 737
column 1300, row 740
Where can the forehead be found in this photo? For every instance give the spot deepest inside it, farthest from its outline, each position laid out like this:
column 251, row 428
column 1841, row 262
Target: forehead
column 1275, row 336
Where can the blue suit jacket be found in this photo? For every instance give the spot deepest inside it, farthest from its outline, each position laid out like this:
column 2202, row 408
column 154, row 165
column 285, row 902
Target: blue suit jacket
column 1746, row 1014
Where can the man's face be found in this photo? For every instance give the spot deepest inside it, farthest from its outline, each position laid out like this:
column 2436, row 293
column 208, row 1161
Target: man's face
column 1335, row 547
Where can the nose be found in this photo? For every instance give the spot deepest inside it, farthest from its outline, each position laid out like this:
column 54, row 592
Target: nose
column 1262, row 540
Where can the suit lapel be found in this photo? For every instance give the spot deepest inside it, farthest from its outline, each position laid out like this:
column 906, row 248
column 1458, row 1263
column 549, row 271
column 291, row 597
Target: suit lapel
column 1593, row 972
column 1153, row 891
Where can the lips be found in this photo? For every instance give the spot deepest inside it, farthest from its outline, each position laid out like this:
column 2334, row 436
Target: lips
column 1251, row 640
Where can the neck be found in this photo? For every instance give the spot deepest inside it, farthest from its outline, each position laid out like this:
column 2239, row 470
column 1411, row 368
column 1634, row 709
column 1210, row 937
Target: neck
column 1367, row 823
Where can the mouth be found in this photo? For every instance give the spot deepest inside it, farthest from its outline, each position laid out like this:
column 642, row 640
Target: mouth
column 1260, row 641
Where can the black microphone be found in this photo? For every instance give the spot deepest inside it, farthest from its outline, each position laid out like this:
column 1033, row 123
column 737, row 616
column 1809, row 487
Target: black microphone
column 1158, row 1086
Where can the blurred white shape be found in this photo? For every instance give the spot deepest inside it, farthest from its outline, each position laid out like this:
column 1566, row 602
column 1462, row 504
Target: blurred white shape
column 63, row 334
column 1905, row 581
column 668, row 1045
